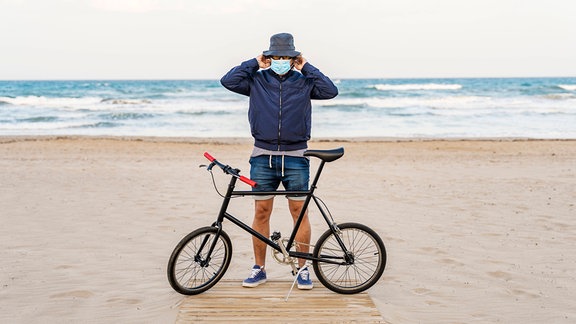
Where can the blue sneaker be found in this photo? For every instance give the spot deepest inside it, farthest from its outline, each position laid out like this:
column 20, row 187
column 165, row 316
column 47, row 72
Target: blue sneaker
column 257, row 277
column 304, row 281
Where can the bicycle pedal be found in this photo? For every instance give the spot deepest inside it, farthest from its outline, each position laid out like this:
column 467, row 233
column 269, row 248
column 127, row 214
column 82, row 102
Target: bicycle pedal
column 275, row 236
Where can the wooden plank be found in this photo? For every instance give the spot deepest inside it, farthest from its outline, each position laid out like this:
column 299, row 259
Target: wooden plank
column 229, row 302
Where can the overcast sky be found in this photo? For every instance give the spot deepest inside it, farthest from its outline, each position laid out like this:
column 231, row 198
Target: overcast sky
column 203, row 39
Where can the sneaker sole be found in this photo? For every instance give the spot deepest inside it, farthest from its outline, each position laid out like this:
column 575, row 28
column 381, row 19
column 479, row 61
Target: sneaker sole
column 252, row 285
column 305, row 287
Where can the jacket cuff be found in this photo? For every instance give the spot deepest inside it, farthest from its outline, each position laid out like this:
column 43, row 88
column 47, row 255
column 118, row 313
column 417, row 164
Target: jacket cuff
column 308, row 68
column 251, row 64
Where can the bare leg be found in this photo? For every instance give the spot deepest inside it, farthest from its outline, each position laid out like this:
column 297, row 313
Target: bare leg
column 304, row 232
column 261, row 224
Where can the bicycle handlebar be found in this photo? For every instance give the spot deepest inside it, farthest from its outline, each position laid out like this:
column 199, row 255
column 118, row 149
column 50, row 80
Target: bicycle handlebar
column 209, row 157
column 251, row 183
column 229, row 170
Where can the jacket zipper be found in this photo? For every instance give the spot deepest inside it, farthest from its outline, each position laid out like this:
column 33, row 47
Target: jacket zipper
column 280, row 117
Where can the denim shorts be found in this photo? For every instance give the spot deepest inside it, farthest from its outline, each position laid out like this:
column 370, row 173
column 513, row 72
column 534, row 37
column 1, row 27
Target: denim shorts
column 269, row 171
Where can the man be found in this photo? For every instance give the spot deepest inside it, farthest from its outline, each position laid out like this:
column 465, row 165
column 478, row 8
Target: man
column 280, row 122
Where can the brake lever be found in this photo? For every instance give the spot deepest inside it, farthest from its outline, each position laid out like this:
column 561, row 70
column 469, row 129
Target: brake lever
column 208, row 167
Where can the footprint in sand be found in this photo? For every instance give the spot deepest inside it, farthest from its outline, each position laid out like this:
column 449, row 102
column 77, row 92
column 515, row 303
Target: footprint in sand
column 421, row 291
column 74, row 294
column 124, row 301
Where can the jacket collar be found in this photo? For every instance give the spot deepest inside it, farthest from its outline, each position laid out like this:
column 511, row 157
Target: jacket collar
column 283, row 77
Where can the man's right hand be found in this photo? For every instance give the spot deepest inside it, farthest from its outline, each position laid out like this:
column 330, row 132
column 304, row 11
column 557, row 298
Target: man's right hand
column 263, row 62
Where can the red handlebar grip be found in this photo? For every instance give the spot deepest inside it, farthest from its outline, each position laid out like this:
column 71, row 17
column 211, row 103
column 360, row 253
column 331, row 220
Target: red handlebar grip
column 248, row 181
column 209, row 157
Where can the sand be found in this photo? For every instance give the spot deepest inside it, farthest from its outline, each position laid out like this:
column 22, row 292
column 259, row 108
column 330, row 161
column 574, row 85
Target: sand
column 476, row 230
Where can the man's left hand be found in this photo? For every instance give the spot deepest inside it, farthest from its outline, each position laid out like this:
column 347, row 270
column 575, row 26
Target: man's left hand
column 299, row 62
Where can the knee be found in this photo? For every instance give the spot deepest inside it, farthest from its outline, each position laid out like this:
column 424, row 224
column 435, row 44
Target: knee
column 295, row 212
column 295, row 208
column 262, row 211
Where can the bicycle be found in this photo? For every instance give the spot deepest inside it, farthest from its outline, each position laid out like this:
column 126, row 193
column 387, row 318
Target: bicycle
column 348, row 258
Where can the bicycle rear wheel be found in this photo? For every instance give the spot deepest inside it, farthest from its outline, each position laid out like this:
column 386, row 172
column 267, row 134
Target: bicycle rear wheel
column 366, row 259
column 189, row 271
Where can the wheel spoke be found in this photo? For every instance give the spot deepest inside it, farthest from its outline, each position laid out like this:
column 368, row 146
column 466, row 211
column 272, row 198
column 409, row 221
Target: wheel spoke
column 364, row 248
column 189, row 270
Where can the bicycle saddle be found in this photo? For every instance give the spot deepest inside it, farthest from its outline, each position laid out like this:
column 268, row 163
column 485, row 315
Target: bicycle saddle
column 326, row 155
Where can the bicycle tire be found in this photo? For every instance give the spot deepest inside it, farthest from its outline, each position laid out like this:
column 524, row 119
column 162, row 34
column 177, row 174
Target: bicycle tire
column 186, row 272
column 367, row 250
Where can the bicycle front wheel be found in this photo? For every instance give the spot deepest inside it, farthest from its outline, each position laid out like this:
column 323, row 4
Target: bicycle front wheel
column 190, row 271
column 358, row 269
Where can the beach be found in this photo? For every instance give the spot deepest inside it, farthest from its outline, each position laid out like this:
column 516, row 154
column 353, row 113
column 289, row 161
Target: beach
column 475, row 230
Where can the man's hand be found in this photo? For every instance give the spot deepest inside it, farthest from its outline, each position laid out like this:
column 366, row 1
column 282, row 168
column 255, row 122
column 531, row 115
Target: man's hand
column 263, row 62
column 299, row 62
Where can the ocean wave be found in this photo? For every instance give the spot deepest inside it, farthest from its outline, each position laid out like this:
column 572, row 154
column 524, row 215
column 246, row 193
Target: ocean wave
column 567, row 87
column 41, row 119
column 559, row 96
column 365, row 107
column 417, row 86
column 126, row 116
column 96, row 125
column 448, row 102
column 50, row 101
column 125, row 101
column 205, row 112
column 6, row 100
column 39, row 127
column 344, row 106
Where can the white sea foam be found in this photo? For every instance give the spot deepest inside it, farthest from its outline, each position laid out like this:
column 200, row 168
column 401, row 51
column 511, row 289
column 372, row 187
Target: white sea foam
column 446, row 102
column 182, row 105
column 126, row 101
column 560, row 96
column 568, row 87
column 51, row 102
column 40, row 127
column 417, row 86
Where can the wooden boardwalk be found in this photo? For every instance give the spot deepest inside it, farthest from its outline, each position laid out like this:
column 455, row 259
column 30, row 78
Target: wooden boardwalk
column 229, row 302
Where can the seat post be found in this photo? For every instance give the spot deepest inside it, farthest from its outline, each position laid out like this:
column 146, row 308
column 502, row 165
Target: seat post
column 317, row 176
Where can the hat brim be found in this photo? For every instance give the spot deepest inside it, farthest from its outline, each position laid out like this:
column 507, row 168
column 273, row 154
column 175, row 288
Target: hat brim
column 281, row 53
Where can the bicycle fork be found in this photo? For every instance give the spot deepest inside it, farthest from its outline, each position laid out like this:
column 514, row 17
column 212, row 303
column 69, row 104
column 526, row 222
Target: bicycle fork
column 218, row 224
column 348, row 256
column 198, row 257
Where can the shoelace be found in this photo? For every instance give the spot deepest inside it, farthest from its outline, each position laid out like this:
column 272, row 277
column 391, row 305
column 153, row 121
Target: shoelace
column 305, row 274
column 255, row 272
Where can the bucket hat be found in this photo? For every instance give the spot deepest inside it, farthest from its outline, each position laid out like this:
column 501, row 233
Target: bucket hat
column 281, row 45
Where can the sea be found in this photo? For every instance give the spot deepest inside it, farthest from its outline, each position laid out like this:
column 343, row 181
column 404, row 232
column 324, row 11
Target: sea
column 539, row 108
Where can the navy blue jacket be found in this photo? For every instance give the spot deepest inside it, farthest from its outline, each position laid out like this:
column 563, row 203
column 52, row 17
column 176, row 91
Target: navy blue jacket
column 280, row 111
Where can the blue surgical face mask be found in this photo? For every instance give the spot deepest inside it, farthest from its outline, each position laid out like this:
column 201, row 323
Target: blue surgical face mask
column 280, row 67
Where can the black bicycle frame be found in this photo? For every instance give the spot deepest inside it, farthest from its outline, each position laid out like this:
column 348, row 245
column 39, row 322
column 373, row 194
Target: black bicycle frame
column 230, row 193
